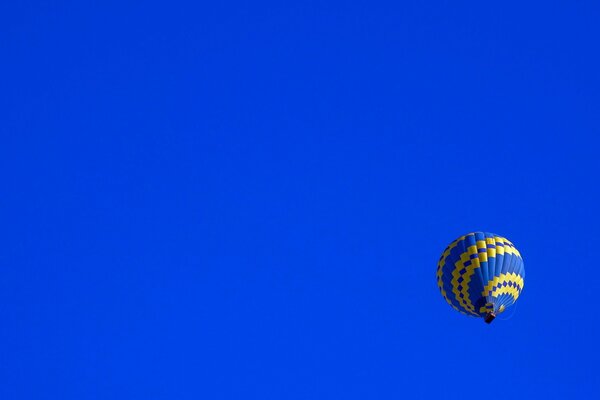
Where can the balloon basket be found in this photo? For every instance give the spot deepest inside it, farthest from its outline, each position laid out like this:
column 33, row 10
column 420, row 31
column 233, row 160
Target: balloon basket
column 489, row 317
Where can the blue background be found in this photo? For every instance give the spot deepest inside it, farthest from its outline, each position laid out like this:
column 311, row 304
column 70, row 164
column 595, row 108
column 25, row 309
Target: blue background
column 247, row 200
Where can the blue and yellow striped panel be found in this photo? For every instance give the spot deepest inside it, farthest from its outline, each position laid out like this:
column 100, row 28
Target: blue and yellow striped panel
column 480, row 273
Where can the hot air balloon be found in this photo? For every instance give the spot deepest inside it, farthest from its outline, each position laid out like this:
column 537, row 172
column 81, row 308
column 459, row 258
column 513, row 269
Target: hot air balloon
column 481, row 274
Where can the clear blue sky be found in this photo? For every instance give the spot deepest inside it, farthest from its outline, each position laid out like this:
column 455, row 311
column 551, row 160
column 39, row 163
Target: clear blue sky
column 247, row 200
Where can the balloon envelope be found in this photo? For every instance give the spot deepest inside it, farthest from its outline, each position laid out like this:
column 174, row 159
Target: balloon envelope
column 481, row 274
